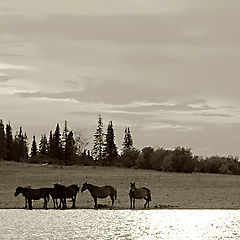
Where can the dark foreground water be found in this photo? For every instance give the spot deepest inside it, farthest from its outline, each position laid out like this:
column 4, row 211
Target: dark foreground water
column 119, row 224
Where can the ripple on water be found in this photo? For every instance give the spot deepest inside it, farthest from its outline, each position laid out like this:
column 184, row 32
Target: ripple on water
column 119, row 224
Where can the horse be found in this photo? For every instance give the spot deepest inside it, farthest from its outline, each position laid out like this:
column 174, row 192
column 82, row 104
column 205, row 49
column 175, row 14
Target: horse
column 64, row 192
column 100, row 192
column 139, row 193
column 54, row 193
column 33, row 194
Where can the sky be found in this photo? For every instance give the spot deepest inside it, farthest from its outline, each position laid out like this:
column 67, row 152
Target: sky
column 169, row 70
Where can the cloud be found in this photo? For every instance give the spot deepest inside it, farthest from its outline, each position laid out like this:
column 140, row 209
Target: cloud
column 5, row 66
column 4, row 78
column 214, row 114
column 60, row 96
column 197, row 25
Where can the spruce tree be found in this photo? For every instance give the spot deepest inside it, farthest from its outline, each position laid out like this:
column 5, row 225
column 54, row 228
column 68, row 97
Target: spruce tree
column 110, row 153
column 9, row 143
column 34, row 148
column 70, row 149
column 50, row 149
column 20, row 146
column 57, row 145
column 2, row 140
column 65, row 135
column 43, row 145
column 127, row 142
column 97, row 151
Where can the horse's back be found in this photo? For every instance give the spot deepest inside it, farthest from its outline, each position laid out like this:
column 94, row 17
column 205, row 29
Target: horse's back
column 139, row 193
column 71, row 190
column 36, row 193
column 102, row 192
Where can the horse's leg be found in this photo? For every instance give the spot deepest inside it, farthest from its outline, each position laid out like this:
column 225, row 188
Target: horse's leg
column 147, row 202
column 95, row 202
column 65, row 203
column 55, row 206
column 133, row 203
column 26, row 203
column 61, row 204
column 73, row 202
column 45, row 203
column 56, row 201
column 112, row 198
column 130, row 203
column 30, row 204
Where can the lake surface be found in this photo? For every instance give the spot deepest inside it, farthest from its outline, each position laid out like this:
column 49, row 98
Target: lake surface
column 119, row 224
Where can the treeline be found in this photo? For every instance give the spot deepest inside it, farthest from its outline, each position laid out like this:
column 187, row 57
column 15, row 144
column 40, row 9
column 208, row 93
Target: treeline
column 56, row 148
column 65, row 148
column 179, row 159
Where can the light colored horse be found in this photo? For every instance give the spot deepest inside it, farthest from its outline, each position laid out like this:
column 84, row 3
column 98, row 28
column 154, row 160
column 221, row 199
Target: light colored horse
column 139, row 193
column 100, row 192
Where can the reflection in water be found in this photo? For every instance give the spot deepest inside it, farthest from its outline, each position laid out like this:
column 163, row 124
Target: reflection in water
column 119, row 224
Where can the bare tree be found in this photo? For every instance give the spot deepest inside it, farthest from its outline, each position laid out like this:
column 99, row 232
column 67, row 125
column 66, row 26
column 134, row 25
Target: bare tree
column 81, row 139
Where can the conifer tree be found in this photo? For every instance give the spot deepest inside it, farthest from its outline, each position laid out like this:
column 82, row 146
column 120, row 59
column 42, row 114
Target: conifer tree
column 70, row 149
column 65, row 135
column 2, row 140
column 127, row 142
column 50, row 149
column 34, row 148
column 110, row 153
column 20, row 146
column 97, row 151
column 9, row 142
column 57, row 144
column 43, row 145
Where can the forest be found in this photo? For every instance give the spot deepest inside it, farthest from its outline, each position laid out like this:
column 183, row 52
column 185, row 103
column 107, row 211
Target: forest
column 69, row 148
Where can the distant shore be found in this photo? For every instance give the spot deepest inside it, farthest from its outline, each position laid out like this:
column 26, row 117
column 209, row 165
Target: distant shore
column 169, row 190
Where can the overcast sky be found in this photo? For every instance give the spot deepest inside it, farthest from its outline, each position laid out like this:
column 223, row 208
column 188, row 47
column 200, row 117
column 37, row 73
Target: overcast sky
column 167, row 69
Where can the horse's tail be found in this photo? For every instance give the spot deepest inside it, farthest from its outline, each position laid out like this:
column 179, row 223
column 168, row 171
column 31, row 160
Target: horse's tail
column 48, row 197
column 149, row 196
column 115, row 195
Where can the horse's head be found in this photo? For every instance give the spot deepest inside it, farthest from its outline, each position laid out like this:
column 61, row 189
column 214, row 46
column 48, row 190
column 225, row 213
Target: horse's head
column 18, row 191
column 57, row 185
column 84, row 187
column 75, row 187
column 132, row 185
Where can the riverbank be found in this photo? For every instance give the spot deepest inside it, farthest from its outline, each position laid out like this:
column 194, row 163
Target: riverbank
column 169, row 190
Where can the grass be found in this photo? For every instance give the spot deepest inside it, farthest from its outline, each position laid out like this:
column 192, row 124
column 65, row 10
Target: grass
column 169, row 190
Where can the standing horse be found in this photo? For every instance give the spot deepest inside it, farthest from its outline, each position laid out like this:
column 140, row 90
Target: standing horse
column 54, row 193
column 139, row 193
column 33, row 194
column 64, row 192
column 100, row 192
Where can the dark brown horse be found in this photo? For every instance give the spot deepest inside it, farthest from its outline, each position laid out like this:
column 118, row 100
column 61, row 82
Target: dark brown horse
column 100, row 192
column 33, row 194
column 64, row 192
column 139, row 193
column 55, row 194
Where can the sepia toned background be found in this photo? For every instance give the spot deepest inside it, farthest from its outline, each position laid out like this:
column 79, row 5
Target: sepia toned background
column 168, row 69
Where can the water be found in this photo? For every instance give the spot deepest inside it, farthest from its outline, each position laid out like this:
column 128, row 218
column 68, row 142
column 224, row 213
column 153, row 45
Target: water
column 119, row 224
